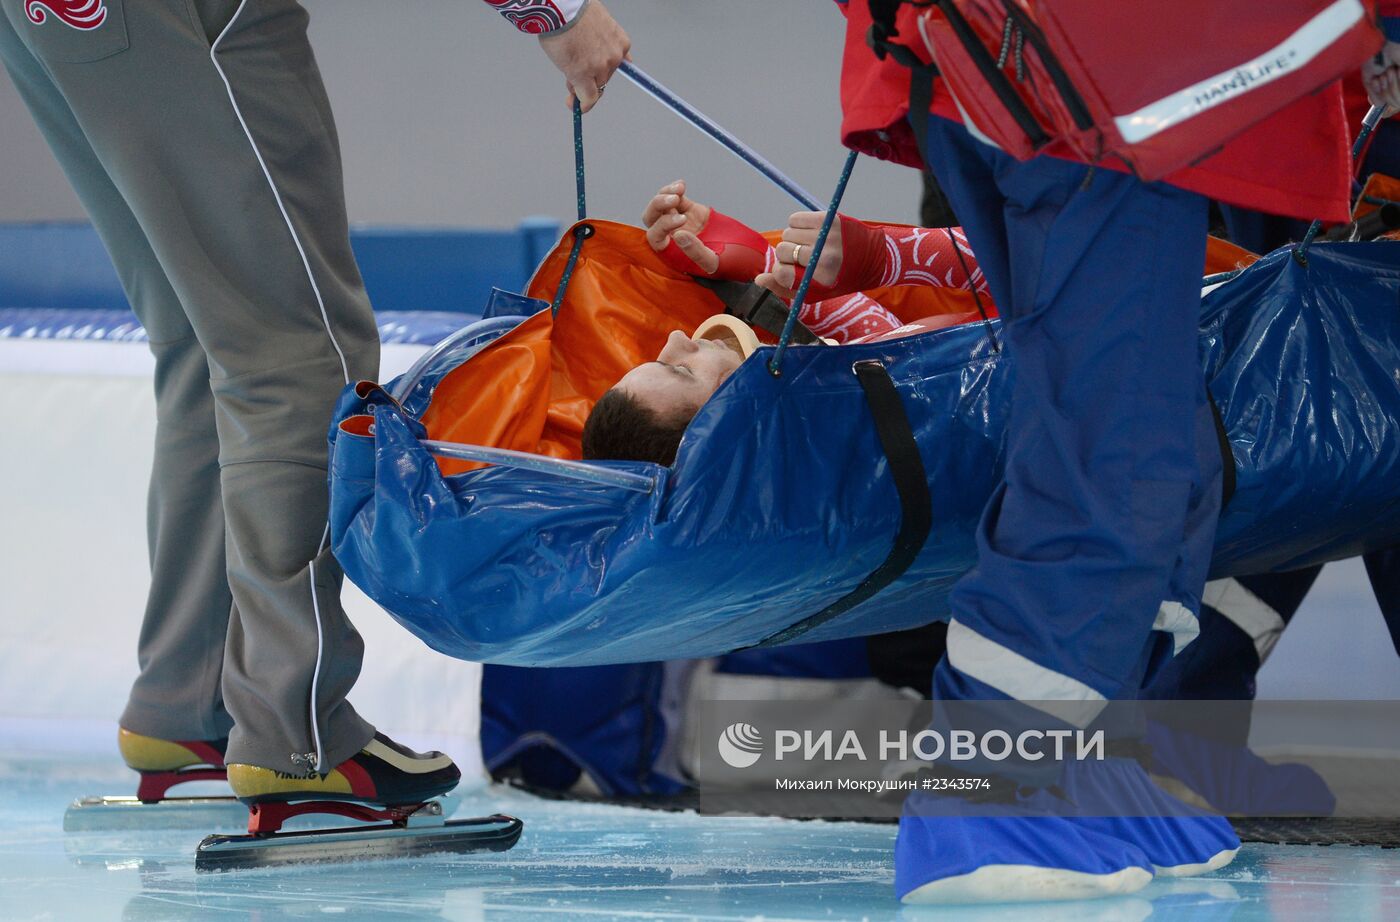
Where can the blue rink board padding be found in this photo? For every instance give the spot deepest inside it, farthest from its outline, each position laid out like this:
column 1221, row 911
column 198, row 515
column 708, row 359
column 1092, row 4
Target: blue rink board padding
column 121, row 326
column 780, row 501
column 63, row 265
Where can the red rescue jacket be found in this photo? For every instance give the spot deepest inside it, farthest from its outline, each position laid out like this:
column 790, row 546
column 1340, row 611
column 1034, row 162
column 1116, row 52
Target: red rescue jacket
column 1296, row 162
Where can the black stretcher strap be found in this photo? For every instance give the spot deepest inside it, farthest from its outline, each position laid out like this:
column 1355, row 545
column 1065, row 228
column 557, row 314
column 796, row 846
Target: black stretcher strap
column 758, row 307
column 1227, row 454
column 910, row 481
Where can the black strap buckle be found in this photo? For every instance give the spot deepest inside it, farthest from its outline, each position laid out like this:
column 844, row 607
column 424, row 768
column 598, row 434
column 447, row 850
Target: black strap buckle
column 760, row 308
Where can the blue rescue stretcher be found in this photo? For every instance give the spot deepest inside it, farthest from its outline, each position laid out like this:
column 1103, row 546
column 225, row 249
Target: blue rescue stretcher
column 783, row 510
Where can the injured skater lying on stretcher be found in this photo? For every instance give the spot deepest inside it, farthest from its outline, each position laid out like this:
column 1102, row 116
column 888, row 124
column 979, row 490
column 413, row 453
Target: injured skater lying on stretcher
column 535, row 559
column 643, row 417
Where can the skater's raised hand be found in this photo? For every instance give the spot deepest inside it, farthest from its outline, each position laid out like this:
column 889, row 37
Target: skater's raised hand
column 799, row 238
column 672, row 217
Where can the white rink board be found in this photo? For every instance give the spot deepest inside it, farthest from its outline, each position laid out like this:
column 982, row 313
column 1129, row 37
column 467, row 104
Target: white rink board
column 78, row 435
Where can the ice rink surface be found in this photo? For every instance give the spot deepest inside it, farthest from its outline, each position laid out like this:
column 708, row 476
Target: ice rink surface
column 580, row 861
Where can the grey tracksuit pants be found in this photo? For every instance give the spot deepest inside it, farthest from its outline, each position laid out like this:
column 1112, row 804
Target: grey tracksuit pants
column 198, row 136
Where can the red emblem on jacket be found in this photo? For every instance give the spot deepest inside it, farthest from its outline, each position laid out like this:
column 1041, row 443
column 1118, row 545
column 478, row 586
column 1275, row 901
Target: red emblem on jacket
column 80, row 14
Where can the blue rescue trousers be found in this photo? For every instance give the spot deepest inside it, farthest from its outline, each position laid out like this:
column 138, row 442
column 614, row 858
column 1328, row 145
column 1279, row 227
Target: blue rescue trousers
column 1093, row 551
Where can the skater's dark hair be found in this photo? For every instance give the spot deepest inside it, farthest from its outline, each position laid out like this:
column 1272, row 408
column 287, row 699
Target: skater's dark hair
column 620, row 428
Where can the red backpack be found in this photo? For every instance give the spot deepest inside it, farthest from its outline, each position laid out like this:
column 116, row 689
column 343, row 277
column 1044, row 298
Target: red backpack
column 1158, row 85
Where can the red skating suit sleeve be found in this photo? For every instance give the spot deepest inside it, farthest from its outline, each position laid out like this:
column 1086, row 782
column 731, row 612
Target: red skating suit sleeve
column 539, row 17
column 744, row 253
column 848, row 318
column 879, row 256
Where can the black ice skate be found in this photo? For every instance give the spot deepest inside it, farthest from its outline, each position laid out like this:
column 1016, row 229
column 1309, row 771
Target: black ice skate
column 387, row 785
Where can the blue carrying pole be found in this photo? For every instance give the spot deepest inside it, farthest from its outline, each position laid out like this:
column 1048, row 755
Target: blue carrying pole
column 707, row 125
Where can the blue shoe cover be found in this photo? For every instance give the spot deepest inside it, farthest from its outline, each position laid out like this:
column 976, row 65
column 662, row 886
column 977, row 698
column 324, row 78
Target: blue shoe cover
column 983, row 857
column 1116, row 797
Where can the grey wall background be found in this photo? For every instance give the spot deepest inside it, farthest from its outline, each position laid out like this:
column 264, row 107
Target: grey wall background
column 448, row 116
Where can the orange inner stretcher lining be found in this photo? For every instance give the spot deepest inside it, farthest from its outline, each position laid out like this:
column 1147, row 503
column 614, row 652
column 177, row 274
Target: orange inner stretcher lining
column 532, row 389
column 1378, row 186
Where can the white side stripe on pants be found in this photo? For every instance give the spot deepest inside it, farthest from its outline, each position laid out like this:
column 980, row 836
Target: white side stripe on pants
column 325, row 319
column 1247, row 611
column 1010, row 673
column 1177, row 620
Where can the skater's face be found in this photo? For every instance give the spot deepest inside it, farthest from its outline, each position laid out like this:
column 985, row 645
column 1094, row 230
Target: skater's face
column 686, row 372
